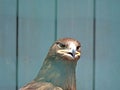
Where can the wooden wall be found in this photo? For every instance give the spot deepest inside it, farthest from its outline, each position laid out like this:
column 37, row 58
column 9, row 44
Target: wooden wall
column 29, row 27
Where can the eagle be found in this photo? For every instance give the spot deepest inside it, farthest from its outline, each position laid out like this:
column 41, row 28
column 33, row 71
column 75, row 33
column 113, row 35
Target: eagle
column 58, row 71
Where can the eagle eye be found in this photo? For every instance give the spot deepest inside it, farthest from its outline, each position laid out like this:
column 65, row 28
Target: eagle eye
column 78, row 48
column 60, row 45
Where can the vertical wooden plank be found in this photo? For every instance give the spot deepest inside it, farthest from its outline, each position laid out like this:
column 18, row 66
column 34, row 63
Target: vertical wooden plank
column 36, row 34
column 7, row 44
column 75, row 19
column 107, row 45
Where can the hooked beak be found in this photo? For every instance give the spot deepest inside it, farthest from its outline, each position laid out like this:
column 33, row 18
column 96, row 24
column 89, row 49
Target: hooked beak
column 70, row 52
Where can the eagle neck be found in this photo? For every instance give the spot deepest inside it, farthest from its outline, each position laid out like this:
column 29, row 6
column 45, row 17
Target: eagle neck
column 58, row 72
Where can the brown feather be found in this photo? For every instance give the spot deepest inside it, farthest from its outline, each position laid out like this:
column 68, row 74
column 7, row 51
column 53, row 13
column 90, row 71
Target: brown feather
column 58, row 70
column 40, row 86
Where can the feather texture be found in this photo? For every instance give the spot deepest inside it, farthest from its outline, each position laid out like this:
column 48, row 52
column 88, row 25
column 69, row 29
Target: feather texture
column 58, row 69
column 40, row 86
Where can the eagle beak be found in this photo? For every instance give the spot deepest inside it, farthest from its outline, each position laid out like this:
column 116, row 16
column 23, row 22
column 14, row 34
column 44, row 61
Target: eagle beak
column 73, row 53
column 70, row 52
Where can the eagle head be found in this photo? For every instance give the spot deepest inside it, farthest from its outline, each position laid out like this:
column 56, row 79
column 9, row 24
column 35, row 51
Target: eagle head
column 67, row 49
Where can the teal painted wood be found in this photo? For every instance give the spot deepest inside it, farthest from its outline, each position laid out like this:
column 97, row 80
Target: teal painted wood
column 36, row 34
column 107, row 45
column 75, row 19
column 7, row 44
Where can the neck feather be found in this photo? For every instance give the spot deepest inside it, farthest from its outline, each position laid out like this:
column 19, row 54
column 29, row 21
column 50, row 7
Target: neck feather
column 58, row 72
